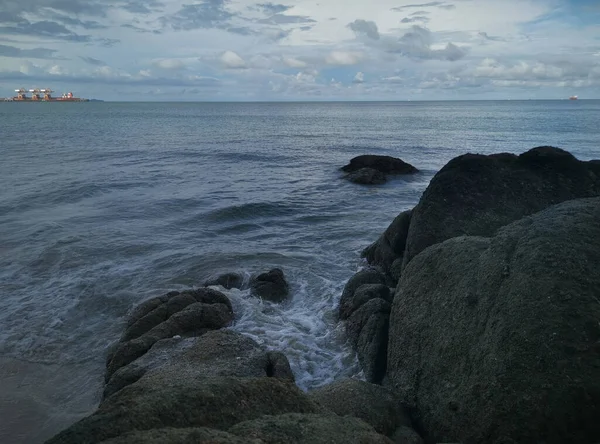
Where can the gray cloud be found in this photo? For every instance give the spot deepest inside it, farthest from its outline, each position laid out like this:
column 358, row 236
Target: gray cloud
column 442, row 5
column 68, row 20
column 46, row 29
column 415, row 19
column 417, row 44
column 282, row 19
column 205, row 15
column 35, row 53
column 271, row 8
column 138, row 29
column 92, row 61
column 485, row 36
column 363, row 27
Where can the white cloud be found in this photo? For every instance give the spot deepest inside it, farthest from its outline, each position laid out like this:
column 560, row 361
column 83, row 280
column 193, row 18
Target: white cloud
column 293, row 62
column 359, row 78
column 343, row 58
column 232, row 60
column 171, row 64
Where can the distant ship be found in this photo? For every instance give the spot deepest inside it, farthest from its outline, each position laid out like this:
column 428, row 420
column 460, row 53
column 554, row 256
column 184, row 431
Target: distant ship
column 573, row 98
column 42, row 95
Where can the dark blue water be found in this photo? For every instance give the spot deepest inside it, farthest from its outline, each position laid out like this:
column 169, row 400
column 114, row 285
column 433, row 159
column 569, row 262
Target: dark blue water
column 103, row 205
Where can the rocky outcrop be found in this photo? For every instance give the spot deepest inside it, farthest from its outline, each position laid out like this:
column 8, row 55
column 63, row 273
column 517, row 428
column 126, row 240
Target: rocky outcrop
column 388, row 251
column 270, row 286
column 384, row 164
column 189, row 313
column 170, row 435
column 476, row 194
column 367, row 176
column 295, row 428
column 216, row 353
column 376, row 405
column 497, row 339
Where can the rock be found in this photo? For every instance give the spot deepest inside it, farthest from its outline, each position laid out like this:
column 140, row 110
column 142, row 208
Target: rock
column 157, row 401
column 406, row 435
column 169, row 435
column 294, row 428
column 389, row 248
column 270, row 286
column 476, row 195
column 497, row 339
column 227, row 280
column 190, row 313
column 367, row 330
column 384, row 164
column 376, row 405
column 216, row 353
column 362, row 295
column 367, row 176
column 367, row 276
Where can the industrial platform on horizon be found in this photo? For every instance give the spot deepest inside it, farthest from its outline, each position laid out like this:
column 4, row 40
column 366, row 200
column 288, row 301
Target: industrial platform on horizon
column 41, row 95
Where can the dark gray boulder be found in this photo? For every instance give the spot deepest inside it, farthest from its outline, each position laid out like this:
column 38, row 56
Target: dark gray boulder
column 366, row 276
column 216, row 353
column 158, row 401
column 384, row 164
column 190, row 313
column 362, row 295
column 270, row 286
column 407, row 435
column 476, row 194
column 497, row 339
column 227, row 280
column 367, row 329
column 170, row 435
column 389, row 248
column 367, row 176
column 376, row 405
column 294, row 428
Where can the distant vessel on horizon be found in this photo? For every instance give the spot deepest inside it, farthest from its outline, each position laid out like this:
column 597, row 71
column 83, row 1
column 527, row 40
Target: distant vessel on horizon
column 573, row 98
column 42, row 95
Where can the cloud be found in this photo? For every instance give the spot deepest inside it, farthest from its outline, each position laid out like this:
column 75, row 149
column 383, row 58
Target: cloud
column 35, row 53
column 343, row 58
column 441, row 5
column 92, row 61
column 293, row 62
column 363, row 27
column 170, row 64
column 415, row 19
column 271, row 8
column 204, row 15
column 46, row 29
column 359, row 78
column 283, row 19
column 417, row 43
column 231, row 60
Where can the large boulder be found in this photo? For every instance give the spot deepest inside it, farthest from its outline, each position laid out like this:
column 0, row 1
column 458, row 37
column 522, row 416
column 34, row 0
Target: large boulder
column 170, row 435
column 189, row 313
column 476, row 194
column 389, row 248
column 384, row 164
column 216, row 353
column 363, row 277
column 376, row 405
column 294, row 428
column 270, row 286
column 227, row 280
column 157, row 401
column 367, row 176
column 497, row 339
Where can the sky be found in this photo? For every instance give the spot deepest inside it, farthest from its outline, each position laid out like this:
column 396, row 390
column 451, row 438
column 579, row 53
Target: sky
column 243, row 50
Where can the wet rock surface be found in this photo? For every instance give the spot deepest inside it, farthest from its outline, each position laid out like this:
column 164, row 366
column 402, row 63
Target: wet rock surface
column 270, row 286
column 384, row 164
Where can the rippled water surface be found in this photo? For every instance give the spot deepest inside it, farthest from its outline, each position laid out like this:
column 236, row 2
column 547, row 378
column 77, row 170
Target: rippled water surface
column 103, row 205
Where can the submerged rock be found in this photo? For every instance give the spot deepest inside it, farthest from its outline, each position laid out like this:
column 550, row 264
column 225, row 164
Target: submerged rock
column 367, row 176
column 383, row 164
column 227, row 280
column 270, row 286
column 497, row 339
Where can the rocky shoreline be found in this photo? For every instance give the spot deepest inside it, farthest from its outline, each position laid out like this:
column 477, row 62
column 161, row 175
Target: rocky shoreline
column 478, row 321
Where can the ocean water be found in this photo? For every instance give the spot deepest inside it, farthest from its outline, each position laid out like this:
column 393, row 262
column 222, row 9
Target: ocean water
column 103, row 205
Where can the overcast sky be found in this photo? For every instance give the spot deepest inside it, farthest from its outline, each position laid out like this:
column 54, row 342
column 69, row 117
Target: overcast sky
column 302, row 49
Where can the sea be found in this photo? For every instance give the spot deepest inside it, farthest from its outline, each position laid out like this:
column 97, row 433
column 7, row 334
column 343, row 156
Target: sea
column 103, row 205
